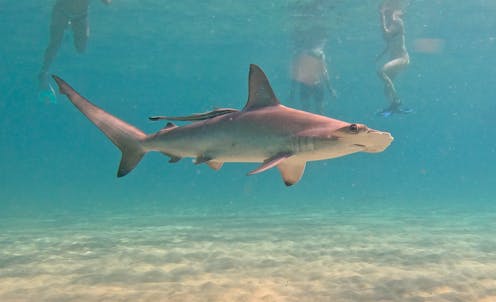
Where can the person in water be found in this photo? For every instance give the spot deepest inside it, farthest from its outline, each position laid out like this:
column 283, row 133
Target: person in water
column 393, row 30
column 65, row 14
column 310, row 76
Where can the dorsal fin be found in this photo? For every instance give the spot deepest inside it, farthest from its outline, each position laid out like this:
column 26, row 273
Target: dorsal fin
column 169, row 126
column 260, row 93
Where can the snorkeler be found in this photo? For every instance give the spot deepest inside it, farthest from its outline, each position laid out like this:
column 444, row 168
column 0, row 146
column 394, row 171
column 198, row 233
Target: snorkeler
column 393, row 30
column 311, row 24
column 309, row 74
column 65, row 13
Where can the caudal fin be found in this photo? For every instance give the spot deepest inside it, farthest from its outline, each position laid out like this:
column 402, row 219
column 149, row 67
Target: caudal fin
column 125, row 136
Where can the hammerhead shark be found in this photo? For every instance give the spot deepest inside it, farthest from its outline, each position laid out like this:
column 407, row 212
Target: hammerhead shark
column 264, row 131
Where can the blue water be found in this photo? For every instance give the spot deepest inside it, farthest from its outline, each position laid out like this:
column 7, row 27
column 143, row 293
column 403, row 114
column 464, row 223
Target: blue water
column 413, row 223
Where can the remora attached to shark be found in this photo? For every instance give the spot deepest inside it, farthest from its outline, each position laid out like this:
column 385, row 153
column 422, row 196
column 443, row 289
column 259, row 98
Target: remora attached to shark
column 264, row 131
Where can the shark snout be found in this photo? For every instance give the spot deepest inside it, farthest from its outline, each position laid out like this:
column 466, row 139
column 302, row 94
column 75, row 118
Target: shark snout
column 377, row 141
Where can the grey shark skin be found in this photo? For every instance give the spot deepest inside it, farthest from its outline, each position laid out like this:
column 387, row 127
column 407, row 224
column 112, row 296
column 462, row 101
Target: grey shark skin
column 264, row 131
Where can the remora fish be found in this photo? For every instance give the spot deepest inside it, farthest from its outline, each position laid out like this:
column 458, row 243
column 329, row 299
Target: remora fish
column 195, row 117
column 264, row 131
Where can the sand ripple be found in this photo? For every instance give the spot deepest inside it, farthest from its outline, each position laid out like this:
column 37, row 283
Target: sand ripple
column 314, row 257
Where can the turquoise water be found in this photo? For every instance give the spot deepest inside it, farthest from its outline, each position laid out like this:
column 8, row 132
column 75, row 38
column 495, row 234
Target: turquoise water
column 413, row 223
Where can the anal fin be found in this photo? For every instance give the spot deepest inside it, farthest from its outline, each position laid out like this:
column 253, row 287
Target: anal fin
column 172, row 158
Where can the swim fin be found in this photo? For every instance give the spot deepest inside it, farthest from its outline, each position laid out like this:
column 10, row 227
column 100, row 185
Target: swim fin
column 394, row 109
column 47, row 96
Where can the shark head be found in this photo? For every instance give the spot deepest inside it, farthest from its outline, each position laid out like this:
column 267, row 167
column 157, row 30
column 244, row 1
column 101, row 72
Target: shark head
column 358, row 136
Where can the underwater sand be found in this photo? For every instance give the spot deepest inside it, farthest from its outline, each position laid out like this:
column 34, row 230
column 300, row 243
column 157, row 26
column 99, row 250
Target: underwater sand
column 377, row 255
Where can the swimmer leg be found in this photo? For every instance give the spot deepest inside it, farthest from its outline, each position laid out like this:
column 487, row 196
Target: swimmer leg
column 57, row 27
column 81, row 32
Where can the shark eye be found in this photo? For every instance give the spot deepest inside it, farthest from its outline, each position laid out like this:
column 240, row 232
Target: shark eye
column 353, row 128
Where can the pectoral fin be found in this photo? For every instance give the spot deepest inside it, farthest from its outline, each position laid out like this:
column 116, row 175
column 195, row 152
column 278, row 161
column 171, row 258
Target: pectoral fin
column 271, row 162
column 291, row 171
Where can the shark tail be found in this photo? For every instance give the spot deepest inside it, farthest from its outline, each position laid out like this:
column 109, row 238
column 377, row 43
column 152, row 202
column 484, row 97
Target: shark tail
column 126, row 137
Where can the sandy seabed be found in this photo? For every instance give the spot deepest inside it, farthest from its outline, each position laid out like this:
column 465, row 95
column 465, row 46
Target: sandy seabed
column 375, row 256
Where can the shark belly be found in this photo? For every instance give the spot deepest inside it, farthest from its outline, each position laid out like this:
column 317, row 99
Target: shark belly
column 326, row 154
column 223, row 140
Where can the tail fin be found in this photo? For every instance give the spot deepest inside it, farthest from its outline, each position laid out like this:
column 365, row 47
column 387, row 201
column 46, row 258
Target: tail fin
column 125, row 136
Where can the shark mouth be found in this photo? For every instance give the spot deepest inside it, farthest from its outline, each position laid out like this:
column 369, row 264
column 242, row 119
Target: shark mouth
column 361, row 146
